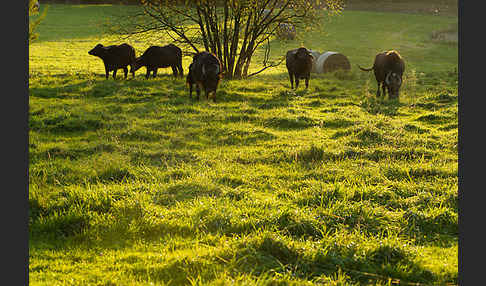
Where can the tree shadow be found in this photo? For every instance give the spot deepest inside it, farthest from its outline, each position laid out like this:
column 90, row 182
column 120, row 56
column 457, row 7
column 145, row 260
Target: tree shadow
column 96, row 86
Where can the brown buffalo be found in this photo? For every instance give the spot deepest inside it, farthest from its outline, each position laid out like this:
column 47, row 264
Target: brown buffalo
column 388, row 68
column 299, row 66
column 115, row 57
column 205, row 72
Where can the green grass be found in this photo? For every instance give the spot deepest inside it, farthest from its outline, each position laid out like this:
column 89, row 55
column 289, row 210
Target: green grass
column 133, row 183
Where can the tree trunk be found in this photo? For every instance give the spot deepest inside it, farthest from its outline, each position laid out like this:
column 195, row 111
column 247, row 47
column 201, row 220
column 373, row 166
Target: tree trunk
column 247, row 65
column 225, row 39
column 234, row 44
column 238, row 68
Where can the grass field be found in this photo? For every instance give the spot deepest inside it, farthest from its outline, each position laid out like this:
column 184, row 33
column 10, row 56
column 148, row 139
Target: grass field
column 133, row 183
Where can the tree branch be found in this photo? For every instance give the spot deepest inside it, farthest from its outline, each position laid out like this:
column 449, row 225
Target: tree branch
column 266, row 67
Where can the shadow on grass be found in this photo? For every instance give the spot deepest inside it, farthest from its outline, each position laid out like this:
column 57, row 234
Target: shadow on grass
column 270, row 253
column 138, row 89
column 267, row 254
column 96, row 86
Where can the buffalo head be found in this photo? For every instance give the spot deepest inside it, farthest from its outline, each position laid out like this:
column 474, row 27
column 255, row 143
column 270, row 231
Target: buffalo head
column 97, row 50
column 212, row 74
column 393, row 81
column 303, row 54
column 137, row 64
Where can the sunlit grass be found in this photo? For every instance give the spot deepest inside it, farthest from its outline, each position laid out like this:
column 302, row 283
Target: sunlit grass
column 132, row 183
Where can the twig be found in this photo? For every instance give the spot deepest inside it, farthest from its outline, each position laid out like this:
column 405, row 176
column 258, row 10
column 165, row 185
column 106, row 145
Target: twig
column 270, row 66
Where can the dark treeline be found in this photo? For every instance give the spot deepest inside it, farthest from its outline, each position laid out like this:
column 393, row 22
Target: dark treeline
column 126, row 2
column 182, row 1
column 91, row 2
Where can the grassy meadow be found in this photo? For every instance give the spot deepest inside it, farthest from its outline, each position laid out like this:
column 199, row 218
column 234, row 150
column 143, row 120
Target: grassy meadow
column 133, row 183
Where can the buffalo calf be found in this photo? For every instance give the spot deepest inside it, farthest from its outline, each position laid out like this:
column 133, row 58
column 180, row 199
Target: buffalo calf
column 115, row 57
column 205, row 72
column 156, row 57
column 299, row 66
column 388, row 68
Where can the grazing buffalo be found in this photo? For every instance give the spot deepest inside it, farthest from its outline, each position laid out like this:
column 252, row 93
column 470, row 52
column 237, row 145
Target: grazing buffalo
column 388, row 68
column 115, row 57
column 299, row 65
column 160, row 57
column 205, row 71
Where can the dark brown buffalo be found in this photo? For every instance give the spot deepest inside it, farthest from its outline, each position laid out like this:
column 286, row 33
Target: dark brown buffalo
column 388, row 68
column 156, row 57
column 205, row 72
column 299, row 66
column 115, row 57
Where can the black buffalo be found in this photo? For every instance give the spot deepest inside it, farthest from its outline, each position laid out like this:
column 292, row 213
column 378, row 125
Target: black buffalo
column 115, row 57
column 299, row 66
column 388, row 68
column 156, row 57
column 205, row 72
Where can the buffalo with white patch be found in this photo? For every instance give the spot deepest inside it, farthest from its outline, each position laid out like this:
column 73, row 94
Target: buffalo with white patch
column 388, row 68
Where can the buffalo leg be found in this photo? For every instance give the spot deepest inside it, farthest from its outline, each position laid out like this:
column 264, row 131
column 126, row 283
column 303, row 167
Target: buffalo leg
column 174, row 70
column 198, row 91
column 190, row 90
column 378, row 90
column 155, row 72
column 181, row 70
column 384, row 88
column 296, row 82
column 107, row 72
column 306, row 83
column 148, row 73
column 114, row 74
column 132, row 71
column 125, row 71
column 291, row 75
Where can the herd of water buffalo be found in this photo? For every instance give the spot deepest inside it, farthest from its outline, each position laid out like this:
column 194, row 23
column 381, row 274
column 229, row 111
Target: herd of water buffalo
column 205, row 71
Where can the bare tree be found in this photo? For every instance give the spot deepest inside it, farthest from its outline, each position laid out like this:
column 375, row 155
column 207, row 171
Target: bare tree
column 231, row 29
